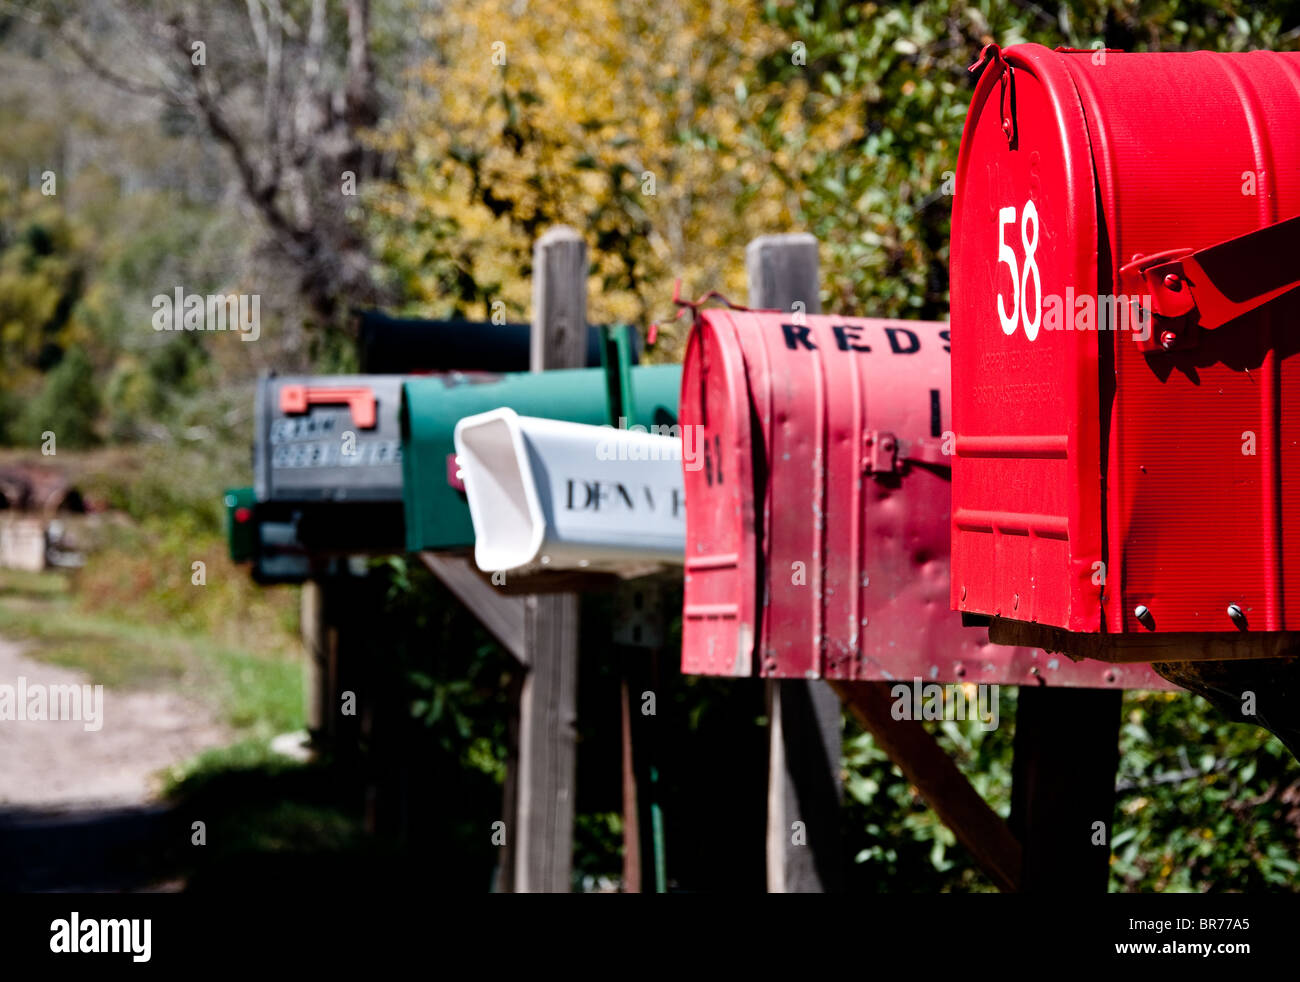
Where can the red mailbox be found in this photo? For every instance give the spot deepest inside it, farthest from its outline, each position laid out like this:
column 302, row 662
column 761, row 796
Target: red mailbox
column 818, row 494
column 1126, row 397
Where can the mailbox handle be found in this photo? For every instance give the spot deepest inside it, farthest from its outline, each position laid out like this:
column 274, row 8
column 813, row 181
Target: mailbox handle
column 1196, row 290
column 360, row 400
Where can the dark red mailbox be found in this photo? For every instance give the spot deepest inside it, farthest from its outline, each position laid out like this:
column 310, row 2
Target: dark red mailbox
column 818, row 494
column 1124, row 328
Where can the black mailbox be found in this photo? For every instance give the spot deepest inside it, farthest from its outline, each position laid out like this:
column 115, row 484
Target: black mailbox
column 401, row 344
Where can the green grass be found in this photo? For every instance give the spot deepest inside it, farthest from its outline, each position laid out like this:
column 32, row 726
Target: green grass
column 254, row 693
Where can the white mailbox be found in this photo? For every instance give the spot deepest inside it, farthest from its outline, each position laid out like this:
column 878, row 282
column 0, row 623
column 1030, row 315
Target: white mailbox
column 544, row 493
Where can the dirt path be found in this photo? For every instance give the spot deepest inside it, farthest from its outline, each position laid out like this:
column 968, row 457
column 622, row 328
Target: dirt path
column 58, row 766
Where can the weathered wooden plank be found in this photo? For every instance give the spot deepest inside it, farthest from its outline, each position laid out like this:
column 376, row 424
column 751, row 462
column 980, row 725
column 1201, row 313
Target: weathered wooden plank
column 559, row 338
column 804, row 788
column 783, row 271
column 1153, row 647
column 314, row 630
column 548, row 711
column 502, row 615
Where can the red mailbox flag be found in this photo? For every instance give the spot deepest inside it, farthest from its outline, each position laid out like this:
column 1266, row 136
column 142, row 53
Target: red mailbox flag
column 816, row 456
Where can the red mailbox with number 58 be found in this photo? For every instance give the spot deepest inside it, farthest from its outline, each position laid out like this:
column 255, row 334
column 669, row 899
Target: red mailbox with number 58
column 1126, row 392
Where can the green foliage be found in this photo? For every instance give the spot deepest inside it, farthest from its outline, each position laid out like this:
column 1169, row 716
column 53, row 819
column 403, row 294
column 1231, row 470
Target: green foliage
column 67, row 405
column 249, row 677
column 895, row 840
column 879, row 199
column 1204, row 804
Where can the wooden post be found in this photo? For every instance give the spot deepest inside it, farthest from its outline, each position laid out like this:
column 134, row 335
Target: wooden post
column 632, row 846
column 805, row 732
column 548, row 704
column 638, row 642
column 547, row 746
column 559, row 325
column 315, row 642
column 1063, row 785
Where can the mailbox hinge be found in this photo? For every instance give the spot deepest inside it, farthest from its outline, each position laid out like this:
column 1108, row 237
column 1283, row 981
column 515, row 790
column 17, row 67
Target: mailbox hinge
column 1186, row 291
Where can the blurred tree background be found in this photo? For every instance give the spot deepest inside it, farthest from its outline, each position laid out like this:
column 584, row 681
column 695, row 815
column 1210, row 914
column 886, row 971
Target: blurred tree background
column 330, row 155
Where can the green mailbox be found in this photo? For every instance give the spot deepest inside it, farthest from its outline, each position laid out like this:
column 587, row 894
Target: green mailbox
column 437, row 514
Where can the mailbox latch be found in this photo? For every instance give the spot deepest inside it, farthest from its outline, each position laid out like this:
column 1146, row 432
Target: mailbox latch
column 885, row 453
column 881, row 455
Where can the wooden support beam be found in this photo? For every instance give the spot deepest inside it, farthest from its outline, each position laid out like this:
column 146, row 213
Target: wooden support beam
column 314, row 629
column 632, row 851
column 805, row 733
column 804, row 787
column 548, row 742
column 559, row 324
column 943, row 786
column 1063, row 787
column 502, row 615
column 784, row 272
column 544, row 792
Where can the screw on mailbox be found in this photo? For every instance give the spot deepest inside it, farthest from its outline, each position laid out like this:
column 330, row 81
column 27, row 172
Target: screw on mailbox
column 1238, row 616
column 1173, row 282
column 1143, row 615
column 1168, row 339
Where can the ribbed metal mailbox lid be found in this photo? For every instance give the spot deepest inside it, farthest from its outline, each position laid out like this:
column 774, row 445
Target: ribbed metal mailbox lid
column 817, row 524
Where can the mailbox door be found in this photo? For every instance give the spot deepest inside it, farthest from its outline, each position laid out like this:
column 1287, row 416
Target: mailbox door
column 1094, row 476
column 328, row 438
column 544, row 492
column 818, row 519
column 723, row 501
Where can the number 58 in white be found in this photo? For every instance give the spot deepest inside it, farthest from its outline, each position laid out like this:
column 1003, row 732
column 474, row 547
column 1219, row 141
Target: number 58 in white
column 1020, row 277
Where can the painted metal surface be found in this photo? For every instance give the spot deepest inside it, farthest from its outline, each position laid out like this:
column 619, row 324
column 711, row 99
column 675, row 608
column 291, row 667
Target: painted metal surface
column 436, row 513
column 328, row 438
column 241, row 530
column 817, row 527
column 544, row 493
column 1125, row 396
